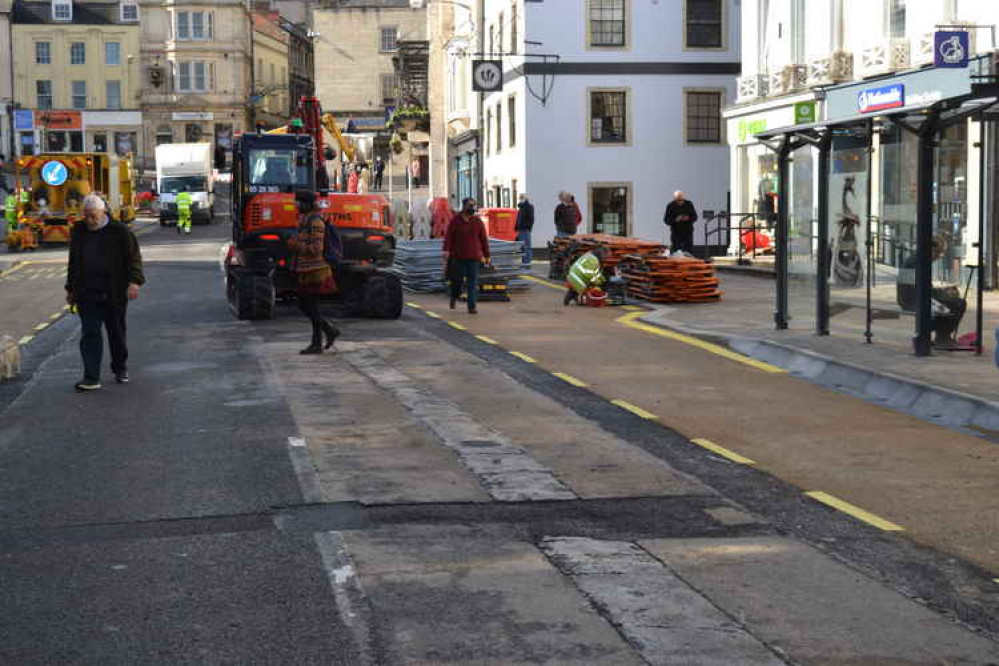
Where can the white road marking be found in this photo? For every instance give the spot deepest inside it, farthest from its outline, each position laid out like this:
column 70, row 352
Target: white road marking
column 347, row 592
column 301, row 462
column 296, row 441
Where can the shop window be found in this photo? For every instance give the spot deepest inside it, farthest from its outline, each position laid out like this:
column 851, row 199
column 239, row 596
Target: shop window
column 113, row 89
column 610, row 209
column 388, row 39
column 124, row 143
column 129, row 10
column 513, row 191
column 193, row 133
column 514, row 43
column 164, row 134
column 607, row 23
column 506, row 197
column 27, row 143
column 704, row 24
column 896, row 18
column 79, row 94
column 703, row 116
column 100, row 142
column 112, row 53
column 608, row 116
column 62, row 142
column 43, row 53
column 62, row 10
column 499, row 32
column 78, row 53
column 43, row 94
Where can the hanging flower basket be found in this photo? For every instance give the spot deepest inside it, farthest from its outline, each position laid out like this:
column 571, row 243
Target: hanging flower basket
column 409, row 118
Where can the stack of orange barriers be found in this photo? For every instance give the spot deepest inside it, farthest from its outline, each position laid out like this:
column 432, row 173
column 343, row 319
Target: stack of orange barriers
column 671, row 280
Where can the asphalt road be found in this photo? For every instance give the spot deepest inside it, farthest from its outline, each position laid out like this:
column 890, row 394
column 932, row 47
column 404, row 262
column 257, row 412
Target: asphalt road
column 421, row 497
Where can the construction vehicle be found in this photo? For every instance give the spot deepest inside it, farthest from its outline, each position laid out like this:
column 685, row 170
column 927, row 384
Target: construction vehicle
column 58, row 183
column 267, row 170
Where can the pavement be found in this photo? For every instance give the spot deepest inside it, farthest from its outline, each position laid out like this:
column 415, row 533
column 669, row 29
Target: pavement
column 533, row 485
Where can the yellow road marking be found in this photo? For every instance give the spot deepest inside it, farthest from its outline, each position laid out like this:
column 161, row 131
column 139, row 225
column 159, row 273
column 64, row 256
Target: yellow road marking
column 17, row 267
column 415, row 305
column 634, row 409
column 66, row 307
column 432, row 314
column 722, row 451
column 454, row 324
column 544, row 282
column 26, row 339
column 487, row 340
column 523, row 357
column 629, row 320
column 854, row 511
column 55, row 316
column 41, row 326
column 570, row 379
column 633, row 308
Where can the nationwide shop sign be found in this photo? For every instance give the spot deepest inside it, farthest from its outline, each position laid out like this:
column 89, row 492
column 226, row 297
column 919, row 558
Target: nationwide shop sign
column 951, row 48
column 879, row 99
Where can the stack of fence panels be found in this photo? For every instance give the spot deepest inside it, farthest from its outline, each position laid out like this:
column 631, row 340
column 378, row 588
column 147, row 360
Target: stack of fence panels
column 671, row 280
column 420, row 265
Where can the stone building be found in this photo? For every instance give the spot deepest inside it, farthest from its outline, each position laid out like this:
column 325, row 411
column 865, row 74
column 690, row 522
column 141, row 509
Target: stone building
column 301, row 62
column 76, row 77
column 197, row 72
column 270, row 72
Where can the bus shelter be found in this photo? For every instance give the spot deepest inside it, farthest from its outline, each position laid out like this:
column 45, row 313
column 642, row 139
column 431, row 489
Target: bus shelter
column 881, row 210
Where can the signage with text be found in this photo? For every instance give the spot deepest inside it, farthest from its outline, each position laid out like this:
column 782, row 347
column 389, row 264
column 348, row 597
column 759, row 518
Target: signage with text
column 24, row 119
column 879, row 99
column 58, row 120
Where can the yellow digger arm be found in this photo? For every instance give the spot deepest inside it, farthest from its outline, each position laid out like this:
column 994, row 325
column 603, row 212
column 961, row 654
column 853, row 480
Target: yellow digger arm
column 329, row 122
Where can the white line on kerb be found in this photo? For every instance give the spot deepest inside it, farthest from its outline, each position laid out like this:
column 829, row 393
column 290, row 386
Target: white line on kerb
column 296, row 441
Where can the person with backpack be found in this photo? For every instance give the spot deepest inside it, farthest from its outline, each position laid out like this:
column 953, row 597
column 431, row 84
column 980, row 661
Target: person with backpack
column 316, row 251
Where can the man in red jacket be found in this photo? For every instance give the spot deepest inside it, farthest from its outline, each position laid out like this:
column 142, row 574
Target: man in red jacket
column 466, row 245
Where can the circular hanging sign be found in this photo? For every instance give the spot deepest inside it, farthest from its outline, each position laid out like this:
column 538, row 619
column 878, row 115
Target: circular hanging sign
column 487, row 75
column 54, row 173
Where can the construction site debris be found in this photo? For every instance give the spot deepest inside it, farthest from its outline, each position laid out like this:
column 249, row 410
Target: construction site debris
column 670, row 280
column 563, row 251
column 420, row 266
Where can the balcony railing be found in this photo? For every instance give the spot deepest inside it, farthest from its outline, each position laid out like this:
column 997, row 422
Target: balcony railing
column 752, row 87
column 837, row 67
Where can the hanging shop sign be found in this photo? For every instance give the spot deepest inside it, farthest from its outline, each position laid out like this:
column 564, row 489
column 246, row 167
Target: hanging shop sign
column 951, row 48
column 879, row 99
column 487, row 75
column 804, row 112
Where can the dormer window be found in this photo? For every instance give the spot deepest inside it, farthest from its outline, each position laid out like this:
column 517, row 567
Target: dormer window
column 129, row 10
column 62, row 10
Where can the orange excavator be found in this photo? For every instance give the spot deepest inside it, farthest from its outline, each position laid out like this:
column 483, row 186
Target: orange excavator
column 267, row 170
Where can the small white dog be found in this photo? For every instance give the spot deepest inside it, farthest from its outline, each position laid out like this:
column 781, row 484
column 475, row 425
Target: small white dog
column 10, row 358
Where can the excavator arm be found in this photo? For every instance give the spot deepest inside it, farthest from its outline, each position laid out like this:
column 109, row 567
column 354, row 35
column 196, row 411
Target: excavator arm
column 329, row 122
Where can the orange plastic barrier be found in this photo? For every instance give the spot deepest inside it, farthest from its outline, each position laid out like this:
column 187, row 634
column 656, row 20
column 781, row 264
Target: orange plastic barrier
column 500, row 222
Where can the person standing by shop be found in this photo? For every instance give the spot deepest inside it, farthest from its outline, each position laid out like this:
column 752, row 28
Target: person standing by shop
column 414, row 172
column 315, row 275
column 379, row 172
column 466, row 245
column 104, row 274
column 680, row 216
column 523, row 227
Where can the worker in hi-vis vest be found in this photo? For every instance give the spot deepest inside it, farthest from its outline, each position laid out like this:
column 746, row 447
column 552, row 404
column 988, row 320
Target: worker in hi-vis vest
column 184, row 201
column 10, row 211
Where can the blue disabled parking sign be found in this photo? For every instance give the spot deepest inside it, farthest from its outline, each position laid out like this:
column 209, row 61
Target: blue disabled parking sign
column 951, row 48
column 54, row 173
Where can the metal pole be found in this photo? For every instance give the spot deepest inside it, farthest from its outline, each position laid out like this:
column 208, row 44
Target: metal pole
column 868, row 333
column 979, row 315
column 921, row 343
column 822, row 265
column 783, row 245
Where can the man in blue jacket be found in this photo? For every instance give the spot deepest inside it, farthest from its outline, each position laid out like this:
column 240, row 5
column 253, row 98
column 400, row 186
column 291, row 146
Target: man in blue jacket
column 524, row 226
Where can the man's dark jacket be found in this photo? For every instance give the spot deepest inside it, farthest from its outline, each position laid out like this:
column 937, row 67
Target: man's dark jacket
column 674, row 210
column 123, row 253
column 565, row 218
column 525, row 216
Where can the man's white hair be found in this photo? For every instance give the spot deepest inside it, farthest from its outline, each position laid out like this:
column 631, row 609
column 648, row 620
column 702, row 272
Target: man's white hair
column 678, row 193
column 93, row 202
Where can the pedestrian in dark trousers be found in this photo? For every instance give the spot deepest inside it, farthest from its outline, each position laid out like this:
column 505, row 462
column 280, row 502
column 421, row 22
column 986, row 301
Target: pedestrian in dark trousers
column 466, row 245
column 680, row 217
column 315, row 275
column 567, row 216
column 104, row 274
column 523, row 227
column 379, row 172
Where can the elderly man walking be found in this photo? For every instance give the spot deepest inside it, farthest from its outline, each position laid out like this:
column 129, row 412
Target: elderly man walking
column 680, row 216
column 105, row 272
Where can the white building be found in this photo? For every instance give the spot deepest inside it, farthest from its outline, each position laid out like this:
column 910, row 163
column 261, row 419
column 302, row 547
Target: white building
column 616, row 101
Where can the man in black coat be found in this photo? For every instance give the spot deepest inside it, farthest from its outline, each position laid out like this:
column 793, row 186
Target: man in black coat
column 524, row 226
column 104, row 274
column 680, row 217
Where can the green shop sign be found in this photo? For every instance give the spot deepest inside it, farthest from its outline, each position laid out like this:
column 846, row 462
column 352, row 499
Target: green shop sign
column 804, row 112
column 749, row 127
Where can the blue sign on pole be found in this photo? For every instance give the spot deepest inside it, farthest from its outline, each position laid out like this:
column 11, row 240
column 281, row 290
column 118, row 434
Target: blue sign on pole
column 54, row 173
column 24, row 120
column 951, row 48
column 879, row 99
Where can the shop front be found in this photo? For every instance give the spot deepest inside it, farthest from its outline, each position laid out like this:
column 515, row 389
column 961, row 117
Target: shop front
column 216, row 127
column 898, row 246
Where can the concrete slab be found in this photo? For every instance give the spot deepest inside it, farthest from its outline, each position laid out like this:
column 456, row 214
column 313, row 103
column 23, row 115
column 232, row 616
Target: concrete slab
column 816, row 610
column 470, row 596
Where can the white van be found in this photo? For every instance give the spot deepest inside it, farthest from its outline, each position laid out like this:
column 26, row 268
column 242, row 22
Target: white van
column 185, row 165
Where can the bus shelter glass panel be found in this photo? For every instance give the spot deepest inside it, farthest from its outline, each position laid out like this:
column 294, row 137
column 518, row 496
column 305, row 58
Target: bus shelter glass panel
column 893, row 239
column 847, row 235
column 955, row 245
column 802, row 240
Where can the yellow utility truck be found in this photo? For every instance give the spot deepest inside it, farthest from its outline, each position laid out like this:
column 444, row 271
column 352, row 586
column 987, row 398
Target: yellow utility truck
column 58, row 182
